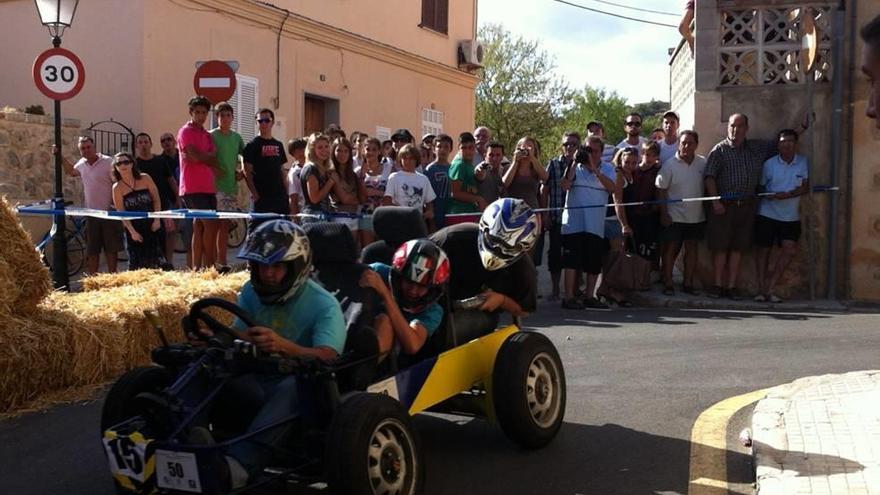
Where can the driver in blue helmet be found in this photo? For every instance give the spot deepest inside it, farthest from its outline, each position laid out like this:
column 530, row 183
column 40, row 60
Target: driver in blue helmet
column 295, row 317
column 490, row 260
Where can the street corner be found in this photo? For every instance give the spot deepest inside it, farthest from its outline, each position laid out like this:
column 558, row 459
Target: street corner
column 713, row 440
column 819, row 434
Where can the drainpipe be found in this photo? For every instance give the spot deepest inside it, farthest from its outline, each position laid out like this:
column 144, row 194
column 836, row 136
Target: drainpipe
column 853, row 29
column 278, row 60
column 836, row 125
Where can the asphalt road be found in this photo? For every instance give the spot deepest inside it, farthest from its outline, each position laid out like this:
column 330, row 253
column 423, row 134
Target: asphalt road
column 637, row 380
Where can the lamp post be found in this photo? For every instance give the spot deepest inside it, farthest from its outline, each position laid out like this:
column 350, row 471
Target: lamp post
column 58, row 15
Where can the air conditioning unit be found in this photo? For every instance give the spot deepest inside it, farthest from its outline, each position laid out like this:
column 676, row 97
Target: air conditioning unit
column 470, row 54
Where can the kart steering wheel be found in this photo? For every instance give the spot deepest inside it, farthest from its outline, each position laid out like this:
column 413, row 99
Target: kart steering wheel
column 197, row 312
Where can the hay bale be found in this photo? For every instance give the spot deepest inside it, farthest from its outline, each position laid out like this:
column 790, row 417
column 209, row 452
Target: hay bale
column 80, row 339
column 30, row 282
column 121, row 279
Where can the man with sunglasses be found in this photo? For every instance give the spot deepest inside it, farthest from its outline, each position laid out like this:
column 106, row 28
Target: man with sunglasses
column 554, row 198
column 264, row 159
column 632, row 125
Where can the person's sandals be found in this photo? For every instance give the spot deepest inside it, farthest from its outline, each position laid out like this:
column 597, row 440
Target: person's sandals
column 774, row 298
column 669, row 290
column 690, row 290
column 572, row 304
column 734, row 294
column 607, row 299
column 715, row 292
column 760, row 298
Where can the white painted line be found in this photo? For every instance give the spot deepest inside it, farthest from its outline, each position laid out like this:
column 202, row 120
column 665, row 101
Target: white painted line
column 214, row 82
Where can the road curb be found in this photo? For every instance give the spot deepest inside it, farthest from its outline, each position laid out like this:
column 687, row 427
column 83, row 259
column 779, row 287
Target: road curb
column 683, row 301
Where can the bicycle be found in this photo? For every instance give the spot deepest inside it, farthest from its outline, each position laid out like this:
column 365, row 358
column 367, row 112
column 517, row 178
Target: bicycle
column 76, row 245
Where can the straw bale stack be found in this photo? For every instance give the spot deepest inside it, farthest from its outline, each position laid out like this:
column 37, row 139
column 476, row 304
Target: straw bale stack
column 72, row 340
column 30, row 281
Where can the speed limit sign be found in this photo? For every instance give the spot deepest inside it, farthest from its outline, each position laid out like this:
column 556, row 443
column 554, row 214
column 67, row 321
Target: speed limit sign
column 59, row 74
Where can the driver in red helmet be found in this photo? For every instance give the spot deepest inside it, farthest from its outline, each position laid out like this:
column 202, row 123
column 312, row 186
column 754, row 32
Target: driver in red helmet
column 409, row 290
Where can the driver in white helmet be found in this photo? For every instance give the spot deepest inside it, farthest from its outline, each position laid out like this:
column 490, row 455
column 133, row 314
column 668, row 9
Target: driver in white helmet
column 490, row 260
column 295, row 317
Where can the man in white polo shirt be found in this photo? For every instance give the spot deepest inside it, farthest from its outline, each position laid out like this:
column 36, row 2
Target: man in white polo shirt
column 96, row 170
column 778, row 221
column 683, row 223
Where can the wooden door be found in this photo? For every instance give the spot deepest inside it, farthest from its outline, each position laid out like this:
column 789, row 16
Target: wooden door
column 313, row 115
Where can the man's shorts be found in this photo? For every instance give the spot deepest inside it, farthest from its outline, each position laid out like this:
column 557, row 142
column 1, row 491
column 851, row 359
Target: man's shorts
column 679, row 231
column 199, row 201
column 583, row 251
column 103, row 235
column 613, row 230
column 226, row 202
column 769, row 231
column 734, row 229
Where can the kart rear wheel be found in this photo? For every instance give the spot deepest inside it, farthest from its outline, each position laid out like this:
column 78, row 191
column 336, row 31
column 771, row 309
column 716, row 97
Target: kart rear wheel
column 372, row 448
column 528, row 389
column 119, row 406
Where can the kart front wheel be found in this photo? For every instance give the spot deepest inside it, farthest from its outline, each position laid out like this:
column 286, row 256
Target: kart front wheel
column 372, row 448
column 119, row 406
column 528, row 389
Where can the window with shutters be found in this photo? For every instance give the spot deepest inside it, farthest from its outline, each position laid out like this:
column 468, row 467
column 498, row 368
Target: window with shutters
column 435, row 15
column 432, row 122
column 245, row 101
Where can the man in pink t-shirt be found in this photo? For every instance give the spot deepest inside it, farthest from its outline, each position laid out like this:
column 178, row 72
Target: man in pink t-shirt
column 198, row 164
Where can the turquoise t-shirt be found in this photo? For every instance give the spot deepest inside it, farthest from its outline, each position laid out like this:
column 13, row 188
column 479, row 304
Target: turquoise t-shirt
column 311, row 318
column 463, row 171
column 430, row 317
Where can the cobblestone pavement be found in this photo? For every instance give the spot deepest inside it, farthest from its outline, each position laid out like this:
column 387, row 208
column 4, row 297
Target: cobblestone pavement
column 819, row 435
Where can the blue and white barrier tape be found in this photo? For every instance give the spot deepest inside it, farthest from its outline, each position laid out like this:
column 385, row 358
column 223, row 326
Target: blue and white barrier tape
column 39, row 209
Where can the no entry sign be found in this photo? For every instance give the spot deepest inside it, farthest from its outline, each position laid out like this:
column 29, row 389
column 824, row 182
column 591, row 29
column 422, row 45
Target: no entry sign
column 59, row 74
column 214, row 80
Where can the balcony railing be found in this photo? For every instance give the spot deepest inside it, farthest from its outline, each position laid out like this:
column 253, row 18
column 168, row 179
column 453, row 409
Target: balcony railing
column 682, row 80
column 761, row 45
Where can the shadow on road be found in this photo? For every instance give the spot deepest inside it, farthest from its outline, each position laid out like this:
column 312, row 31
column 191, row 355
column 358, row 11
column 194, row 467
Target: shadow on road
column 618, row 317
column 474, row 457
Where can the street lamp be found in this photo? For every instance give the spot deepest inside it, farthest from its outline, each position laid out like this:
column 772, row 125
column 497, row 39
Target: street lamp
column 58, row 15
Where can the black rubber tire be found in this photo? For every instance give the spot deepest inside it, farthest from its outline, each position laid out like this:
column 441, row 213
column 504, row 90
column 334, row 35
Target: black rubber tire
column 118, row 403
column 519, row 406
column 362, row 421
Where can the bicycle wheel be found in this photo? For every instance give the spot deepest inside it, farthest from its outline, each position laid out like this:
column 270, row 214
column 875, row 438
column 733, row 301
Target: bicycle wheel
column 237, row 233
column 76, row 254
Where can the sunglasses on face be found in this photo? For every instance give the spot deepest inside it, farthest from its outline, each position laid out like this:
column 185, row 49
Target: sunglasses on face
column 634, row 124
column 264, row 121
column 124, row 162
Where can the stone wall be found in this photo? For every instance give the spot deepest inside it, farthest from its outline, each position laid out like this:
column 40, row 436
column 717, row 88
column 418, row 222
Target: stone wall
column 27, row 169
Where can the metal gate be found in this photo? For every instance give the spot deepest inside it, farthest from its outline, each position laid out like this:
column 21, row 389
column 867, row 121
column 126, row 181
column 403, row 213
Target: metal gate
column 112, row 137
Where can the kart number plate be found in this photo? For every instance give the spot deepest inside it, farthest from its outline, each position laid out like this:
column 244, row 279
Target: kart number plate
column 127, row 455
column 177, row 471
column 385, row 387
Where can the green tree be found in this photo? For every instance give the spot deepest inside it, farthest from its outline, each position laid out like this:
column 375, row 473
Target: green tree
column 596, row 104
column 521, row 93
column 652, row 114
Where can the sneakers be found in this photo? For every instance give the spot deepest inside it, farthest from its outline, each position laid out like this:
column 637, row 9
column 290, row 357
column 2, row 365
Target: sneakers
column 774, row 298
column 223, row 269
column 593, row 303
column 760, row 298
column 572, row 304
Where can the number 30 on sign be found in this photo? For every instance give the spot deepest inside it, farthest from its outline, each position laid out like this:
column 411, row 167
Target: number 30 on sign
column 59, row 74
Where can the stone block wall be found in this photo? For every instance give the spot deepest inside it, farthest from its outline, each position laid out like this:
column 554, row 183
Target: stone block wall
column 27, row 168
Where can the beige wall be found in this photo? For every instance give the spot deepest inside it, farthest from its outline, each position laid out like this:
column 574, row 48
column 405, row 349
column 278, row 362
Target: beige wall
column 140, row 70
column 106, row 34
column 394, row 22
column 371, row 91
column 865, row 222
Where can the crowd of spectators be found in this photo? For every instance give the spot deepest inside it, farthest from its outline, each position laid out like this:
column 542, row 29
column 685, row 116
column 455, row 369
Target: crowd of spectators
column 332, row 176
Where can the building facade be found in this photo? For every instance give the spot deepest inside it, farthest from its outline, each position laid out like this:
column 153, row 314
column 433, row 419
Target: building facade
column 370, row 65
column 748, row 60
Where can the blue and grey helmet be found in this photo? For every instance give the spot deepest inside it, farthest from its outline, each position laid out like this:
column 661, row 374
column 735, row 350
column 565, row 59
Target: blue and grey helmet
column 508, row 229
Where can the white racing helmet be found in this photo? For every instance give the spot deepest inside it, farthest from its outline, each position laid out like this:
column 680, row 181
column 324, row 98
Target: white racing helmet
column 508, row 229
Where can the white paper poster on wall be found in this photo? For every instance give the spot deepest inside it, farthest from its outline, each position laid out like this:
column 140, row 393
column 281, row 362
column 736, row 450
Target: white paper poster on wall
column 383, row 133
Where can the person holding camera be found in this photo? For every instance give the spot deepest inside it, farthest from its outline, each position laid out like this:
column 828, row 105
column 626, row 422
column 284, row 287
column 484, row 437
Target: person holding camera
column 523, row 179
column 588, row 183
